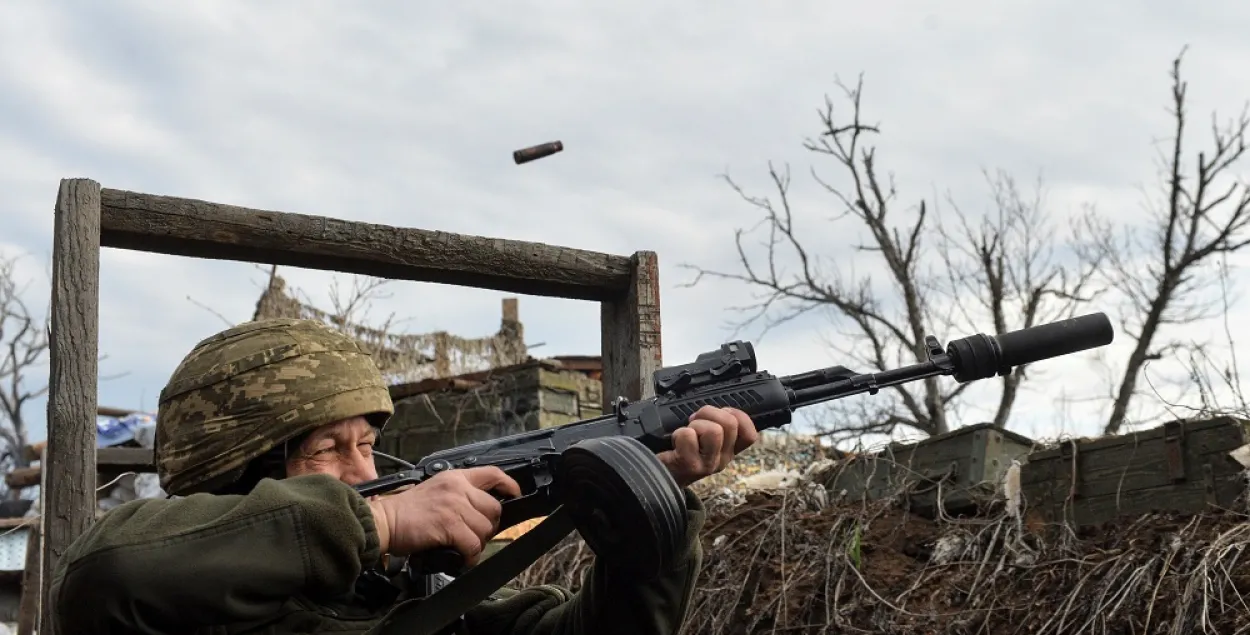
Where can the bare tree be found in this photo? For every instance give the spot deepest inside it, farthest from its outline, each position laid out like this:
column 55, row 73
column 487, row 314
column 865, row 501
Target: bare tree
column 24, row 344
column 1203, row 217
column 1010, row 267
column 352, row 306
column 1006, row 264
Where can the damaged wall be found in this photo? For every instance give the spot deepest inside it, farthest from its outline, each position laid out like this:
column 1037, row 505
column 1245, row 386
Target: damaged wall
column 409, row 357
column 441, row 413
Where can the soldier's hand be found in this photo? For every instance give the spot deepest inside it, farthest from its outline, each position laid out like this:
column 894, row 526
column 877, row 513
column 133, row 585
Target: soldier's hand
column 453, row 509
column 708, row 443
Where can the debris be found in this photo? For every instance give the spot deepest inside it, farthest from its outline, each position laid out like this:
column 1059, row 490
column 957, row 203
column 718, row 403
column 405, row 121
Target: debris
column 1011, row 489
column 770, row 480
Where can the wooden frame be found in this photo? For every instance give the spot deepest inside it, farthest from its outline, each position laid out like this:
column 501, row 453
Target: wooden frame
column 88, row 217
column 110, row 463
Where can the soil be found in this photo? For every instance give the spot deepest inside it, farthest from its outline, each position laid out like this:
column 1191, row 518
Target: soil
column 778, row 563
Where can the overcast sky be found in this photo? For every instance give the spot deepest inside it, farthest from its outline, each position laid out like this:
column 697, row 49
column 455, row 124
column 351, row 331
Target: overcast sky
column 407, row 113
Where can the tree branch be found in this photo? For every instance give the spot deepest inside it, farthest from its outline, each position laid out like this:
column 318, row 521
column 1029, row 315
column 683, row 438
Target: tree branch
column 1005, row 267
column 1164, row 283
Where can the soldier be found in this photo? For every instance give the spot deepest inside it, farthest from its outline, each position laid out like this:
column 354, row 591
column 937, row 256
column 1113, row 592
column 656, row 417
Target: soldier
column 261, row 432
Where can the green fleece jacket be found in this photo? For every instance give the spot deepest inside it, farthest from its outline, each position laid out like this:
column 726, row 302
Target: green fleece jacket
column 284, row 559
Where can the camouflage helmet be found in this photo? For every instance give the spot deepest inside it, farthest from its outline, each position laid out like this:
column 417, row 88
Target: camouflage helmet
column 251, row 388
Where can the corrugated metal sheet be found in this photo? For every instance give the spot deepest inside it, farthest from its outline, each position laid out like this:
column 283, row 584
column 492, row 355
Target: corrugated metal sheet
column 13, row 549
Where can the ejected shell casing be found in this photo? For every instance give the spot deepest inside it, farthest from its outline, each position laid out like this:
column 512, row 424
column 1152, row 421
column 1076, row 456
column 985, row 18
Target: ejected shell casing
column 525, row 155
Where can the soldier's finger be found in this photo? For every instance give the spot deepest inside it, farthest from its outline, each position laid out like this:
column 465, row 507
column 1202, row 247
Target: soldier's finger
column 728, row 442
column 686, row 449
column 711, row 438
column 483, row 522
column 712, row 413
column 747, row 435
column 493, row 478
column 466, row 541
column 485, row 505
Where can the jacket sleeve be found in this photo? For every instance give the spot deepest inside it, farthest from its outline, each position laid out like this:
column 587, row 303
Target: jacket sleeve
column 167, row 566
column 607, row 603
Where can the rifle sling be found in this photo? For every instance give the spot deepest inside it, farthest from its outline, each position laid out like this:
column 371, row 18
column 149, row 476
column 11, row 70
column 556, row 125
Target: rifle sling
column 430, row 615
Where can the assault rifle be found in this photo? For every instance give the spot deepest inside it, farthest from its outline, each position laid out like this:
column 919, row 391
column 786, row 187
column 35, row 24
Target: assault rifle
column 600, row 476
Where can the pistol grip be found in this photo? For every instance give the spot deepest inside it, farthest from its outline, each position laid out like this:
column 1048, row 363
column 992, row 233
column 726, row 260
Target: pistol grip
column 440, row 560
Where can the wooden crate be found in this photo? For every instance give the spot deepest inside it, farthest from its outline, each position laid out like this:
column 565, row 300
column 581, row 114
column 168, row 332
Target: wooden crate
column 966, row 466
column 1182, row 466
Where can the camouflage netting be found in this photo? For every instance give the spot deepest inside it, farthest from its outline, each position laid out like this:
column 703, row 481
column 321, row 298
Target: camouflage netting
column 793, row 561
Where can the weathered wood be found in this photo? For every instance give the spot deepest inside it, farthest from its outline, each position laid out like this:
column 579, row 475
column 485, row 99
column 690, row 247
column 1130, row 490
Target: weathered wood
column 110, row 462
column 23, row 477
column 1182, row 498
column 1130, row 466
column 68, row 492
column 1182, row 467
column 106, row 411
column 24, row 521
column 126, row 459
column 201, row 229
column 28, row 609
column 33, row 451
column 1211, row 434
column 631, row 345
column 965, row 467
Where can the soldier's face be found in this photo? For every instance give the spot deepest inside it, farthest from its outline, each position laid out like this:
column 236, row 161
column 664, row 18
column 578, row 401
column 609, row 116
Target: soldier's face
column 343, row 449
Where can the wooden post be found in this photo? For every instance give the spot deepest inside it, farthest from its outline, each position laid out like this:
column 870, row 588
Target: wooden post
column 68, row 498
column 29, row 608
column 631, row 333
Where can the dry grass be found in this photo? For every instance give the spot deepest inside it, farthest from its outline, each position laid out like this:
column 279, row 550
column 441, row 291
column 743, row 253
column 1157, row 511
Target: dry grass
column 784, row 563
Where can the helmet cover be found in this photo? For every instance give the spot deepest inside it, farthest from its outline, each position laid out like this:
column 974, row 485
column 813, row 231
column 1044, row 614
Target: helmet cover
column 246, row 390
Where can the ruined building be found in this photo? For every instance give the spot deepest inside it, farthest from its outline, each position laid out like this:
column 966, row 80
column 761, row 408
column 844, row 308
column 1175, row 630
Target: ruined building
column 404, row 357
column 451, row 390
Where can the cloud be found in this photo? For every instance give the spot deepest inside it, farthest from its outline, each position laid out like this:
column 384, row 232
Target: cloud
column 407, row 114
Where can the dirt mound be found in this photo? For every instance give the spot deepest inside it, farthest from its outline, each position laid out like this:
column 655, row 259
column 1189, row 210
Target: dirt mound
column 785, row 562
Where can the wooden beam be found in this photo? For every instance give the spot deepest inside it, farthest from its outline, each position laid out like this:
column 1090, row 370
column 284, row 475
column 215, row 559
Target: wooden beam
column 23, row 477
column 631, row 348
column 201, row 229
column 24, row 521
column 126, row 459
column 68, row 492
column 106, row 411
column 33, row 451
column 110, row 462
